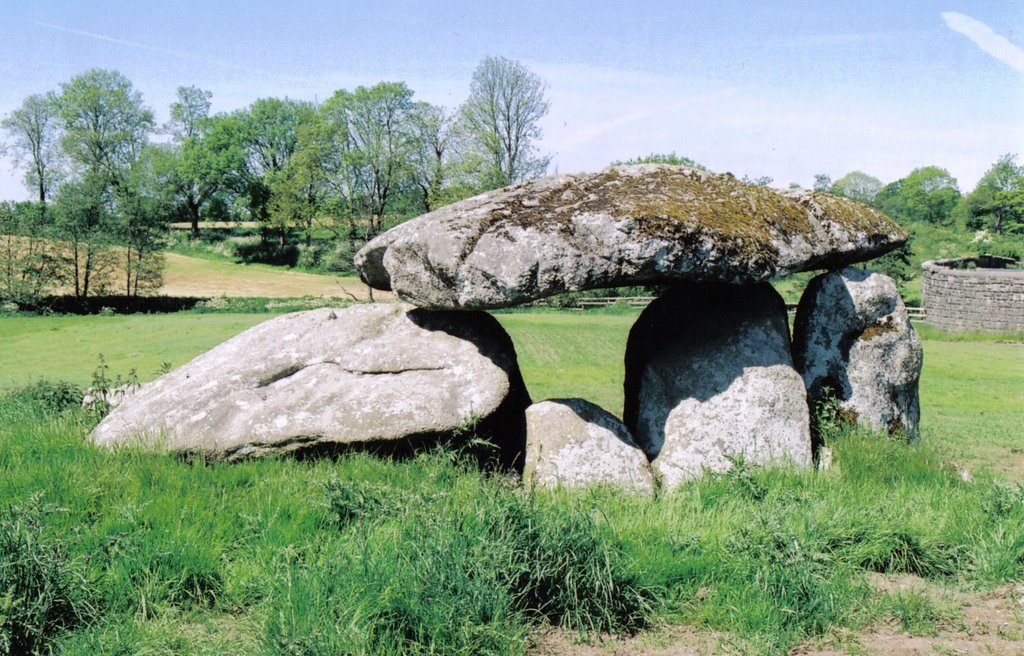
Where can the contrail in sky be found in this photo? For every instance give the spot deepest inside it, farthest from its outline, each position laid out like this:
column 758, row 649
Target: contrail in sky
column 985, row 38
column 143, row 46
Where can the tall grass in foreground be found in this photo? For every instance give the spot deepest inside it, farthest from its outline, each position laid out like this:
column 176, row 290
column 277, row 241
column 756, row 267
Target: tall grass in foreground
column 150, row 554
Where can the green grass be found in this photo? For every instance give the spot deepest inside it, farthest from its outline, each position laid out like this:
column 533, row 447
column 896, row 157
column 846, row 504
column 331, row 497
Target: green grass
column 68, row 347
column 141, row 553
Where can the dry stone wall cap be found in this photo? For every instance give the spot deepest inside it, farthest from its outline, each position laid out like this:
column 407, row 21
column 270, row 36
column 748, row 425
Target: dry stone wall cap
column 623, row 226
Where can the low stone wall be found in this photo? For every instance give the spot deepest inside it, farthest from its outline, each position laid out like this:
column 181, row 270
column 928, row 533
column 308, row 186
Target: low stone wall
column 962, row 300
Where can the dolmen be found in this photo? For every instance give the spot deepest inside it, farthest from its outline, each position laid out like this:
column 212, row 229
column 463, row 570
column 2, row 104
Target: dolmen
column 712, row 374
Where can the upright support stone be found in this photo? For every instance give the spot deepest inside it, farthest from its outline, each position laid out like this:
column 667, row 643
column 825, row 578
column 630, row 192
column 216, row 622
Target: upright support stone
column 710, row 378
column 852, row 339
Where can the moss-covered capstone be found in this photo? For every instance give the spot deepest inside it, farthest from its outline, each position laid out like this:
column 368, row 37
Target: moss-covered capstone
column 623, row 226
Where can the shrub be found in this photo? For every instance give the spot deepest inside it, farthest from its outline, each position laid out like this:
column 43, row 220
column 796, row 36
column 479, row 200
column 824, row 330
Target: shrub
column 49, row 396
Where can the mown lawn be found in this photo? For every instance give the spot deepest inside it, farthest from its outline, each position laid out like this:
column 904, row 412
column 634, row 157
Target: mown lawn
column 128, row 553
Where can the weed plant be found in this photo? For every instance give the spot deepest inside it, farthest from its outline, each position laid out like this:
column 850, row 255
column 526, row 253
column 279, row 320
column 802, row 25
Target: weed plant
column 139, row 553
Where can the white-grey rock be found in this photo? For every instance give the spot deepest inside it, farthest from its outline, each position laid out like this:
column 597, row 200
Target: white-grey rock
column 363, row 374
column 623, row 226
column 852, row 335
column 710, row 378
column 574, row 443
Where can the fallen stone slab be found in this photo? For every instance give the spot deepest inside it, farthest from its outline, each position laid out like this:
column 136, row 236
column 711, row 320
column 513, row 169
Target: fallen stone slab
column 366, row 374
column 623, row 226
column 710, row 379
column 573, row 443
column 853, row 342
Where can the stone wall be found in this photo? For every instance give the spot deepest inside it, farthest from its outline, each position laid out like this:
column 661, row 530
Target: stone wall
column 962, row 300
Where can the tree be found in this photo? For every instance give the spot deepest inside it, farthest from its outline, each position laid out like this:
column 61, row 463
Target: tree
column 377, row 138
column 105, row 123
column 506, row 102
column 146, row 193
column 928, row 194
column 858, row 186
column 106, row 127
column 33, row 132
column 205, row 163
column 299, row 193
column 435, row 141
column 662, row 158
column 84, row 228
column 188, row 113
column 27, row 269
column 997, row 202
column 268, row 133
column 822, row 182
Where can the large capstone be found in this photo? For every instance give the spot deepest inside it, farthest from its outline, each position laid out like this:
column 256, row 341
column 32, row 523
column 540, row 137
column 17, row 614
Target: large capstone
column 854, row 344
column 367, row 374
column 623, row 226
column 710, row 379
column 574, row 443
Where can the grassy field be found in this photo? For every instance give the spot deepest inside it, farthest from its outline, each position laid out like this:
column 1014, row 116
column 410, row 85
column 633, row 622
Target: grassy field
column 194, row 276
column 972, row 392
column 128, row 553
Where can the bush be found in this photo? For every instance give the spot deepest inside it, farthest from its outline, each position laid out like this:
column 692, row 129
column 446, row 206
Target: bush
column 49, row 396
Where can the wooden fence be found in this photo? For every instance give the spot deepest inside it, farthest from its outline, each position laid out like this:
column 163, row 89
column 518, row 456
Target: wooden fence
column 916, row 313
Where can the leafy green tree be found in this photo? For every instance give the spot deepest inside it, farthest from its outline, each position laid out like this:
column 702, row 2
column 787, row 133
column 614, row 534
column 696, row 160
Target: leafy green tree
column 84, row 228
column 27, row 269
column 299, row 194
column 188, row 113
column 106, row 127
column 997, row 202
column 268, row 133
column 435, row 153
column 928, row 194
column 376, row 141
column 105, row 122
column 33, row 140
column 209, row 152
column 858, row 186
column 503, row 112
column 662, row 158
column 147, row 191
column 822, row 182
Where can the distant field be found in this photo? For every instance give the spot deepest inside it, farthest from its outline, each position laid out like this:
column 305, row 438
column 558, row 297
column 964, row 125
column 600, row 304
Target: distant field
column 193, row 276
column 972, row 393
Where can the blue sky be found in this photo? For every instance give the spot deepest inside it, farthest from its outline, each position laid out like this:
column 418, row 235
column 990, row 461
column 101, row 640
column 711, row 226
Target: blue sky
column 784, row 89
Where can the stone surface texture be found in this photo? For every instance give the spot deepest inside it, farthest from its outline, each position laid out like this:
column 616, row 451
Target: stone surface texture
column 363, row 374
column 852, row 336
column 574, row 443
column 710, row 378
column 623, row 226
column 963, row 300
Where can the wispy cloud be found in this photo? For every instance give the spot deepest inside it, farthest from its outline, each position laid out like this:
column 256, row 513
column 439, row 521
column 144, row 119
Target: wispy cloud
column 985, row 38
column 142, row 46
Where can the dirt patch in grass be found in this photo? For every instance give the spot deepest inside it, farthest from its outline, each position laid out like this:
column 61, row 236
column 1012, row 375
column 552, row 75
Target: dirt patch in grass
column 668, row 641
column 959, row 622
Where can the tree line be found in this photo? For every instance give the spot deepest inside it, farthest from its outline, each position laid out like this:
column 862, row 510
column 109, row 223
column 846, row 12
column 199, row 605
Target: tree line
column 107, row 180
column 930, row 195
